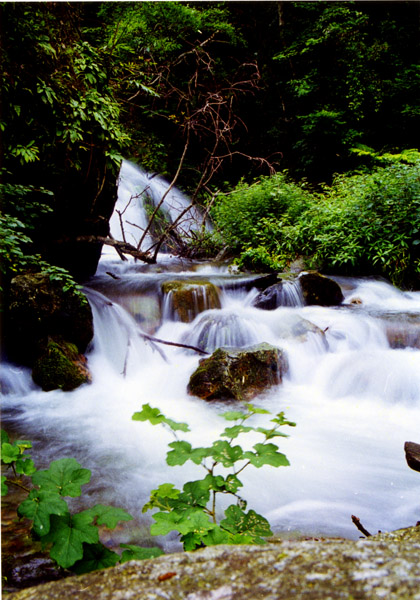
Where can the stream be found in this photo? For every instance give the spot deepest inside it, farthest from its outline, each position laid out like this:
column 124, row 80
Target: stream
column 353, row 389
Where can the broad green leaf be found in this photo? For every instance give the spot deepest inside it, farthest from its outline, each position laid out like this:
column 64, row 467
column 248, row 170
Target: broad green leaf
column 233, row 415
column 95, row 557
column 108, row 515
column 233, row 432
column 215, row 537
column 67, row 535
column 9, row 453
column 164, row 496
column 23, row 445
column 64, row 476
column 270, row 433
column 191, row 541
column 25, row 466
column 4, row 437
column 167, row 522
column 139, row 553
column 39, row 506
column 266, row 454
column 4, row 488
column 226, row 454
column 167, row 490
column 183, row 451
column 257, row 411
column 195, row 493
column 238, row 521
column 232, row 483
column 155, row 417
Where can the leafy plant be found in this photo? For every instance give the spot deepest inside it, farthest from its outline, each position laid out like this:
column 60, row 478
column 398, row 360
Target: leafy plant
column 192, row 511
column 72, row 538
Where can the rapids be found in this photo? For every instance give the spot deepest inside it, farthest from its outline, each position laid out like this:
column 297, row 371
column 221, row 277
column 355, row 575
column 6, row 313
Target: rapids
column 353, row 389
column 355, row 400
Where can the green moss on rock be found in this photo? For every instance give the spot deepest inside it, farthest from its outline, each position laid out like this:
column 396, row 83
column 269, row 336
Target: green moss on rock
column 238, row 373
column 60, row 366
column 189, row 298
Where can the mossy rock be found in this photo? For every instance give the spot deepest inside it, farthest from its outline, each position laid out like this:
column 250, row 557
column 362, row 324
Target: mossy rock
column 187, row 299
column 39, row 308
column 60, row 366
column 384, row 566
column 238, row 373
column 320, row 290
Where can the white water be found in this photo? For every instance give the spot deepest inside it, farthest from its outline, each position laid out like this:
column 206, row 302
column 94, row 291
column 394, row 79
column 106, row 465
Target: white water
column 354, row 399
column 129, row 219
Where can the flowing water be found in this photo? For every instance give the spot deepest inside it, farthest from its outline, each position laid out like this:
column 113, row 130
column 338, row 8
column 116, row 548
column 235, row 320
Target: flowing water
column 353, row 389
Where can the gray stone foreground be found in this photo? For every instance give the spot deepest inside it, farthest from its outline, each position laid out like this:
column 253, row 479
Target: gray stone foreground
column 385, row 566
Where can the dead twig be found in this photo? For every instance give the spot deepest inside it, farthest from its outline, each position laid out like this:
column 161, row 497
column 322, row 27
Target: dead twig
column 359, row 526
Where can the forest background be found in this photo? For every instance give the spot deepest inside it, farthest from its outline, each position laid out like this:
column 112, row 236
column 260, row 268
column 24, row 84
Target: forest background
column 293, row 124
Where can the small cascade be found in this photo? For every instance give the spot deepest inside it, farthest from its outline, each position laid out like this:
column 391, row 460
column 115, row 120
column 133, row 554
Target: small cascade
column 139, row 193
column 283, row 293
column 222, row 328
column 184, row 300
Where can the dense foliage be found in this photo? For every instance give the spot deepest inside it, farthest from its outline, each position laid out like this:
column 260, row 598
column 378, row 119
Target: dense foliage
column 207, row 93
column 365, row 223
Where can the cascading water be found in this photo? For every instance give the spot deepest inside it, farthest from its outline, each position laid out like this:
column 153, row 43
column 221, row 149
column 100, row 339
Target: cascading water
column 354, row 396
column 136, row 189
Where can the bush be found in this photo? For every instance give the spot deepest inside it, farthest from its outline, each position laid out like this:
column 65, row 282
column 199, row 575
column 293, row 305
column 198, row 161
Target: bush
column 365, row 223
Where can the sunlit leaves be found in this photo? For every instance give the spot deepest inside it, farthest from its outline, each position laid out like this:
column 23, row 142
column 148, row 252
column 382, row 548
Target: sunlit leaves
column 64, row 476
column 155, row 417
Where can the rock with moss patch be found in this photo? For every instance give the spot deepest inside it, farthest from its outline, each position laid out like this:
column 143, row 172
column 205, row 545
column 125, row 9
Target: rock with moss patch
column 39, row 308
column 320, row 290
column 382, row 566
column 60, row 366
column 184, row 300
column 238, row 373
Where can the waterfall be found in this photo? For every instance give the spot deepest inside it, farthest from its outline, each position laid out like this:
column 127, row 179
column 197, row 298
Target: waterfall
column 139, row 193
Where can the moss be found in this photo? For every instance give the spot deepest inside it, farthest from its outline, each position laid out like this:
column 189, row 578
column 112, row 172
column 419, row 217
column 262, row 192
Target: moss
column 238, row 373
column 60, row 366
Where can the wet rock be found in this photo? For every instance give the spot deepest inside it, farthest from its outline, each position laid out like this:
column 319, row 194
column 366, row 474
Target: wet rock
column 382, row 566
column 238, row 373
column 186, row 299
column 39, row 308
column 38, row 569
column 403, row 330
column 145, row 309
column 60, row 366
column 320, row 290
column 286, row 293
column 294, row 327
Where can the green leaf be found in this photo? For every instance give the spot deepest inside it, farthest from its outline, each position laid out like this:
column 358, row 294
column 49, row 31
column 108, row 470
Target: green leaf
column 270, row 433
column 266, row 454
column 215, row 537
column 226, row 454
column 9, row 453
column 233, row 432
column 39, row 506
column 257, row 411
column 95, row 557
column 251, row 523
column 233, row 415
column 167, row 522
column 195, row 493
column 25, row 466
column 183, row 451
column 109, row 516
column 139, row 553
column 67, row 535
column 4, row 437
column 4, row 488
column 64, row 476
column 155, row 417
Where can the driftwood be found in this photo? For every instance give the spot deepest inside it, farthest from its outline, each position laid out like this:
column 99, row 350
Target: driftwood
column 359, row 526
column 412, row 455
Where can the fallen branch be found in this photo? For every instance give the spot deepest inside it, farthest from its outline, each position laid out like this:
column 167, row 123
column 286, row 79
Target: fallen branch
column 120, row 247
column 153, row 339
column 359, row 526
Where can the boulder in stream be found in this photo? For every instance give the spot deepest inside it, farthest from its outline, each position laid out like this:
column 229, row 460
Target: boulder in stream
column 238, row 373
column 283, row 293
column 60, row 366
column 184, row 300
column 320, row 290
